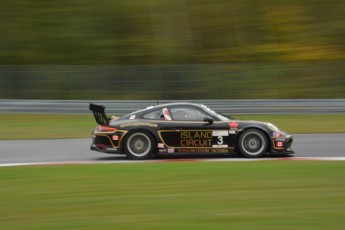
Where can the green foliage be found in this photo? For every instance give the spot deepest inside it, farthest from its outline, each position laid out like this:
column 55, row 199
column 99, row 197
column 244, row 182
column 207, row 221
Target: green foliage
column 223, row 49
column 158, row 32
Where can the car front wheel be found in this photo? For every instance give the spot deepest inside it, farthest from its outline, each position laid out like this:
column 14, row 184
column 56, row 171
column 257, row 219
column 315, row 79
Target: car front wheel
column 253, row 143
column 139, row 145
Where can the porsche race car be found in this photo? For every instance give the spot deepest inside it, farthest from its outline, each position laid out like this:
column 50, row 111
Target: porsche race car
column 186, row 128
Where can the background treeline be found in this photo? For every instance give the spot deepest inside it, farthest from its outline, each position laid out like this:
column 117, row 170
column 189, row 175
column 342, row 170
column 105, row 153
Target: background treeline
column 181, row 49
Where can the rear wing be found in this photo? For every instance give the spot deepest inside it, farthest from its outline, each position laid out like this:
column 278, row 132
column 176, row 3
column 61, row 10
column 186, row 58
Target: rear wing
column 99, row 114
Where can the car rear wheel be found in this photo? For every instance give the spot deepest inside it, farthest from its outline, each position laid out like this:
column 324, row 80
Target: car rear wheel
column 252, row 143
column 139, row 145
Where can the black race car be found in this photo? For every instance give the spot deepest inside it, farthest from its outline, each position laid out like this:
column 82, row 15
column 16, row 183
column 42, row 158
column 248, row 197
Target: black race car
column 184, row 128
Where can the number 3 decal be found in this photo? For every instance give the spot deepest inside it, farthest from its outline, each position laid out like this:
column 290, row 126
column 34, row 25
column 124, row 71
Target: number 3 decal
column 220, row 140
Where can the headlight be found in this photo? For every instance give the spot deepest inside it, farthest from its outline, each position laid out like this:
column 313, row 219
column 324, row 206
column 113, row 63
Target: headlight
column 272, row 126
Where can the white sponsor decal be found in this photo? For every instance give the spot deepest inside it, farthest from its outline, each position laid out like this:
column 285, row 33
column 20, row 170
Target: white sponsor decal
column 232, row 131
column 220, row 133
column 279, row 144
column 171, row 150
column 110, row 149
column 132, row 117
column 115, row 137
column 160, row 145
column 280, row 139
column 219, row 146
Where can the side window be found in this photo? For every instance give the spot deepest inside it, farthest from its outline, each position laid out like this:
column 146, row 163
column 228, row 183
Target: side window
column 187, row 114
column 154, row 115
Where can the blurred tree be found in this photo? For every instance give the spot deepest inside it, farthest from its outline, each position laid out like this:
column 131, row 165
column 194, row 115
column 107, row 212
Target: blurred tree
column 260, row 41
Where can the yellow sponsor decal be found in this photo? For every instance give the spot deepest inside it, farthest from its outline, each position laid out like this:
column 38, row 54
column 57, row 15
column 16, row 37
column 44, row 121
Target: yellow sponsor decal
column 196, row 143
column 196, row 138
column 196, row 134
column 183, row 150
column 139, row 124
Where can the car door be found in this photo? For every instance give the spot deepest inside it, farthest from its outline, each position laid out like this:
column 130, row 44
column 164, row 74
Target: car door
column 187, row 131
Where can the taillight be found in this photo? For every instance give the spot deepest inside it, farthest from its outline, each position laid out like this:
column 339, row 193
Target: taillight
column 104, row 128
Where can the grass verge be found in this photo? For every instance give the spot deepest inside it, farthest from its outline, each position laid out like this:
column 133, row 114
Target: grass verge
column 39, row 126
column 188, row 195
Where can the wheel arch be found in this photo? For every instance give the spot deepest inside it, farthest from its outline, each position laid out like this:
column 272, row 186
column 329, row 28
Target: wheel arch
column 264, row 131
column 147, row 131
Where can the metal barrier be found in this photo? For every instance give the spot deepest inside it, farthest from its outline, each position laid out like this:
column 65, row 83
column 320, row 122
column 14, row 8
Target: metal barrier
column 300, row 106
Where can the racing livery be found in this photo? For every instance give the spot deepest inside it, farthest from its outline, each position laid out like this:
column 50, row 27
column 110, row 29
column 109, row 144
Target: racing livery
column 184, row 128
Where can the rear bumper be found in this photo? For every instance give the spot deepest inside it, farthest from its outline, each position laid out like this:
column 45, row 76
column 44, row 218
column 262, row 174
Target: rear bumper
column 104, row 148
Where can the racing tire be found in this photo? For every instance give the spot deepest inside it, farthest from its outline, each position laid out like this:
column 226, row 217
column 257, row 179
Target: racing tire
column 252, row 143
column 139, row 145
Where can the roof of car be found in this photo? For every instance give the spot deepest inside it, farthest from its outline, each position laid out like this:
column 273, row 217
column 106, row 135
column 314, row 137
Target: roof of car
column 173, row 104
column 153, row 107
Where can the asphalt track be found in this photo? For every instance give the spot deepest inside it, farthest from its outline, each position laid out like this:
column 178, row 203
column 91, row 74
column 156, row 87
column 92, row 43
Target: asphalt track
column 77, row 150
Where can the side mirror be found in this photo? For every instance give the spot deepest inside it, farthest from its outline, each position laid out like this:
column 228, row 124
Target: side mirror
column 208, row 120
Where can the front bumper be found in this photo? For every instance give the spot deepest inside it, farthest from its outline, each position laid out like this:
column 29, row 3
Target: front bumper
column 284, row 152
column 281, row 145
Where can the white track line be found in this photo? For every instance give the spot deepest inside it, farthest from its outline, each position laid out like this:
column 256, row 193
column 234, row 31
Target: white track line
column 175, row 160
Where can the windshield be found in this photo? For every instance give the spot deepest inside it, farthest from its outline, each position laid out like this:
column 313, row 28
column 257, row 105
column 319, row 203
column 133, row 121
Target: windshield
column 220, row 116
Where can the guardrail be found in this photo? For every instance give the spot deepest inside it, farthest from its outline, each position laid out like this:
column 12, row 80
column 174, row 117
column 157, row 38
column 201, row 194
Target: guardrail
column 300, row 106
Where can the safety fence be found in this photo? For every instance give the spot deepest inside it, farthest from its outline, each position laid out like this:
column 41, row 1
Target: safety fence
column 301, row 106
